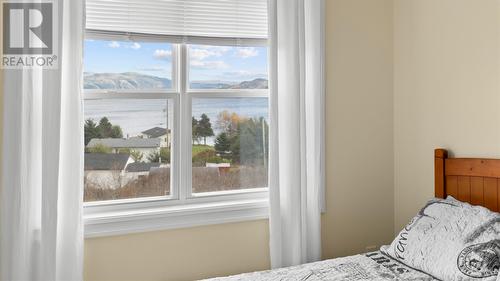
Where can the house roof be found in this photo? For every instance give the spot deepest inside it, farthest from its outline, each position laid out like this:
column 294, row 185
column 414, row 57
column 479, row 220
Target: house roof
column 160, row 171
column 105, row 161
column 141, row 167
column 156, row 132
column 126, row 143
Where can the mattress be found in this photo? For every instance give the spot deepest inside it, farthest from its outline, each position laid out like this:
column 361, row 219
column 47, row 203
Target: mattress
column 368, row 266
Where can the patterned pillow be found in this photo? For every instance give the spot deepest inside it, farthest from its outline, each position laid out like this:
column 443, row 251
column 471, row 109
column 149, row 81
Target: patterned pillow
column 451, row 240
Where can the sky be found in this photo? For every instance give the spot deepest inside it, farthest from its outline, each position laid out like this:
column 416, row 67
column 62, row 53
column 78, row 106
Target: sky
column 207, row 63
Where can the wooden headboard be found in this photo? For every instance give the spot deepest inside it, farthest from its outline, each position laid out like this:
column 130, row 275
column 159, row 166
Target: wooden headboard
column 472, row 180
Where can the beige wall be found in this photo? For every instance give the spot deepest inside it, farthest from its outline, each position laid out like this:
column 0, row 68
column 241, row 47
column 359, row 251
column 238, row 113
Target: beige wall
column 359, row 145
column 359, row 168
column 182, row 254
column 446, row 90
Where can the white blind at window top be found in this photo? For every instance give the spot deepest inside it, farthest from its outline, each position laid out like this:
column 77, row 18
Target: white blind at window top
column 181, row 19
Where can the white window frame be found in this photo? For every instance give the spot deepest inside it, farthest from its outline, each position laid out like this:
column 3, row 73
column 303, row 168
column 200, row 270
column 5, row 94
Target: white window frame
column 182, row 208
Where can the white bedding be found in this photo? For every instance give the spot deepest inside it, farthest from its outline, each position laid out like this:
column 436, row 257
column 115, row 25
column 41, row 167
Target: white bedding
column 450, row 240
column 369, row 266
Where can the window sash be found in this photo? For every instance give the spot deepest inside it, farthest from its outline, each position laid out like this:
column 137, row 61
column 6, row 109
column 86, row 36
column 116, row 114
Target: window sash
column 181, row 177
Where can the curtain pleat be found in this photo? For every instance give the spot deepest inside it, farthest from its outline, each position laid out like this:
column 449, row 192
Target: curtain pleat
column 297, row 130
column 41, row 192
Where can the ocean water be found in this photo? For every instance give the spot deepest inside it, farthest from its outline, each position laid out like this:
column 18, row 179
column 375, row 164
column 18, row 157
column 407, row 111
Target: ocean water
column 137, row 115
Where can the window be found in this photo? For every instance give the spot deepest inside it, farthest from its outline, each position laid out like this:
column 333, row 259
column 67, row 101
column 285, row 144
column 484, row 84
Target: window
column 125, row 65
column 222, row 67
column 129, row 102
column 234, row 155
column 176, row 114
column 127, row 148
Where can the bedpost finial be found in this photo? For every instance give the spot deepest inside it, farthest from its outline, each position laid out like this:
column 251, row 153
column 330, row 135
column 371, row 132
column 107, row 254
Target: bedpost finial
column 440, row 153
column 440, row 156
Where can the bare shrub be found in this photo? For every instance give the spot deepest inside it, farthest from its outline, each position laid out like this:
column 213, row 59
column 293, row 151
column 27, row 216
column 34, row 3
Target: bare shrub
column 155, row 184
column 242, row 177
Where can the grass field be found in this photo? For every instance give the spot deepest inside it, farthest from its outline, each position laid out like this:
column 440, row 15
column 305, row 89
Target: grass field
column 197, row 148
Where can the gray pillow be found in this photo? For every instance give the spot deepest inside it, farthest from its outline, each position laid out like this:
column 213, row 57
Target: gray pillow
column 451, row 240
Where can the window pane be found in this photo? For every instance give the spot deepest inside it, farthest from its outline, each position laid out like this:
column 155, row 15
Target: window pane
column 127, row 148
column 230, row 143
column 221, row 67
column 113, row 65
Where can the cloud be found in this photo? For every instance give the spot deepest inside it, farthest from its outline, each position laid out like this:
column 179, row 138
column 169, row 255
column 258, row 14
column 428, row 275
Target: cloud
column 135, row 46
column 161, row 54
column 114, row 44
column 246, row 52
column 211, row 47
column 203, row 52
column 200, row 54
column 208, row 64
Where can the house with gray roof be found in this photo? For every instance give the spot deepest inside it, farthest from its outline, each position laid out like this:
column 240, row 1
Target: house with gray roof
column 143, row 145
column 138, row 167
column 105, row 170
column 134, row 142
column 136, row 170
column 159, row 133
column 106, row 162
column 156, row 132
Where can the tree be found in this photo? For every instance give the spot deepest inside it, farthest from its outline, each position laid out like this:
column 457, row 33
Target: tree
column 154, row 157
column 116, row 132
column 90, row 130
column 108, row 130
column 105, row 128
column 194, row 130
column 99, row 148
column 124, row 150
column 200, row 159
column 163, row 156
column 136, row 155
column 222, row 143
column 205, row 128
column 228, row 122
column 250, row 144
column 235, row 148
column 253, row 141
column 102, row 130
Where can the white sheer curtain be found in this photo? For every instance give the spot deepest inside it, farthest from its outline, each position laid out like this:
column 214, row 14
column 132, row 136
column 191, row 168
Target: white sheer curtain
column 41, row 231
column 297, row 136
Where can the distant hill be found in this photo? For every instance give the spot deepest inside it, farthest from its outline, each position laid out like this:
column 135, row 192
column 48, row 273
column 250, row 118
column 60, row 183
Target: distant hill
column 258, row 83
column 210, row 85
column 132, row 80
column 127, row 80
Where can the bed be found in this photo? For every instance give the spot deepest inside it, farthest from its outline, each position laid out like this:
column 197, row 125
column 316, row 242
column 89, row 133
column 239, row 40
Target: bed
column 369, row 266
column 471, row 180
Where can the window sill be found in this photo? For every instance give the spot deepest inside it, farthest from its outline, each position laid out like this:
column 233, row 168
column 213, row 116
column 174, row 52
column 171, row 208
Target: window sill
column 171, row 217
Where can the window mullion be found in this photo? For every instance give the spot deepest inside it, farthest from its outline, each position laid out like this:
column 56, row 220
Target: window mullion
column 175, row 140
column 185, row 121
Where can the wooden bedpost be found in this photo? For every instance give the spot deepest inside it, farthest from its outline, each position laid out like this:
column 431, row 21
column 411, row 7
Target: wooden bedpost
column 439, row 179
